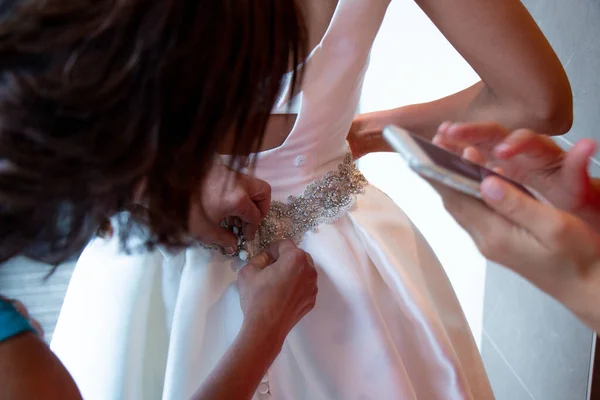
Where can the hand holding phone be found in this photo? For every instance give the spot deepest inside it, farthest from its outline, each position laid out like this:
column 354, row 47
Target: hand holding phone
column 440, row 165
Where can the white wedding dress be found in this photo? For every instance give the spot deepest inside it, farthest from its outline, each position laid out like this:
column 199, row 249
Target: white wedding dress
column 387, row 324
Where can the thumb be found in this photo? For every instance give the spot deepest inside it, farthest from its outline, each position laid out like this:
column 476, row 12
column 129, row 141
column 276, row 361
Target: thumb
column 574, row 175
column 520, row 209
column 220, row 236
column 259, row 196
column 259, row 192
column 530, row 143
column 260, row 261
column 254, row 266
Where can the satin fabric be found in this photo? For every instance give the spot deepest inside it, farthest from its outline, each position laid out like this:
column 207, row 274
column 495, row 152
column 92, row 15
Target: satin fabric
column 386, row 325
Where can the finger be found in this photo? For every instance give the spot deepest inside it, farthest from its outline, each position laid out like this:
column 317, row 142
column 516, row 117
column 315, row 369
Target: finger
column 310, row 260
column 252, row 205
column 260, row 261
column 210, row 230
column 472, row 215
column 237, row 222
column 259, row 192
column 277, row 249
column 483, row 135
column 443, row 128
column 525, row 141
column 523, row 211
column 447, row 144
column 246, row 211
column 249, row 231
column 496, row 238
column 219, row 236
column 574, row 175
column 473, row 155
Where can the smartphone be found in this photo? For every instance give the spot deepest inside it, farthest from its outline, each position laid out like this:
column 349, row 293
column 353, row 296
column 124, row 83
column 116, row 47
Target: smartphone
column 440, row 165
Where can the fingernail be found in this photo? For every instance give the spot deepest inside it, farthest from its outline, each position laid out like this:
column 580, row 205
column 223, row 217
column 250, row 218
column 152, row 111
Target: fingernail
column 502, row 148
column 444, row 126
column 493, row 189
column 454, row 125
column 229, row 250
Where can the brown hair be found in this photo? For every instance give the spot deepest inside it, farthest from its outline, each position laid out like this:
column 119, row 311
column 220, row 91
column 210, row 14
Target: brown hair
column 98, row 95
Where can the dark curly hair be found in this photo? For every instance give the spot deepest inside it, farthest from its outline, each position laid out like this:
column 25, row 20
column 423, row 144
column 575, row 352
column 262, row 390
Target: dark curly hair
column 98, row 96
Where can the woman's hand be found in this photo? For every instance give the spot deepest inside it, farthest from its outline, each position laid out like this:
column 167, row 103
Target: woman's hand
column 226, row 194
column 532, row 159
column 556, row 251
column 277, row 288
column 365, row 136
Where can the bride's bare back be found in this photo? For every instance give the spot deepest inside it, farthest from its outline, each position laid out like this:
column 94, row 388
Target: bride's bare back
column 318, row 14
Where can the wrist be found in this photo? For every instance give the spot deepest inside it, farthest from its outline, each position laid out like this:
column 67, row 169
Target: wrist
column 366, row 135
column 265, row 336
column 584, row 296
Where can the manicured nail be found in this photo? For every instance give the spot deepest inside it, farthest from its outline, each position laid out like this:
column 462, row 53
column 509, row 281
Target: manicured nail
column 444, row 126
column 493, row 189
column 454, row 126
column 502, row 148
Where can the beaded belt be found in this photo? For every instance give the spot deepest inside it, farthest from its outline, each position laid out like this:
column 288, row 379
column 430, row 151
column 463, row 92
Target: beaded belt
column 323, row 201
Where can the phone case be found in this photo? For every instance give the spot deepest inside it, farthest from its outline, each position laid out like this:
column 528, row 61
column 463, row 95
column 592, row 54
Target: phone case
column 459, row 183
column 419, row 162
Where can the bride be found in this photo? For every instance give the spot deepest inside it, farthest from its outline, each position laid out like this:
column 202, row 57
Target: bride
column 387, row 324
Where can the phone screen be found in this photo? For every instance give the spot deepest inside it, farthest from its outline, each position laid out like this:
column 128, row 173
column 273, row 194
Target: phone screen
column 459, row 165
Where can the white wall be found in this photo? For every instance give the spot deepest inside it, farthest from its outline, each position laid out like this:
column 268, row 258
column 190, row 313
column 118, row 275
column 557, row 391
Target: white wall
column 412, row 62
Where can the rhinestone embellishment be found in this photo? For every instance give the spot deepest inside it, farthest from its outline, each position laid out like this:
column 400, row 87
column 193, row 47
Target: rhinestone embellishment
column 323, row 201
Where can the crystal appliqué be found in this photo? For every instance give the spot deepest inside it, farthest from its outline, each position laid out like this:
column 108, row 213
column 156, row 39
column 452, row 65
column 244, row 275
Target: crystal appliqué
column 323, row 201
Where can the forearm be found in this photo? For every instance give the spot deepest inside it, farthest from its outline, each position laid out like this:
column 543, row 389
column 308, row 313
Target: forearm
column 240, row 371
column 584, row 297
column 474, row 104
column 523, row 84
column 29, row 370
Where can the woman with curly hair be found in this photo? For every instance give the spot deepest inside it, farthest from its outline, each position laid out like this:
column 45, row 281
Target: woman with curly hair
column 386, row 324
column 113, row 107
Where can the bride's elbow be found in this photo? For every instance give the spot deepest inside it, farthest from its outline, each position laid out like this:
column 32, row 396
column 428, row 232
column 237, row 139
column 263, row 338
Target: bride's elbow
column 551, row 112
column 556, row 118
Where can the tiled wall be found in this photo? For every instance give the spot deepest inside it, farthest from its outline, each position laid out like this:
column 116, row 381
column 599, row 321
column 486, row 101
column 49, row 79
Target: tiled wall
column 43, row 295
column 532, row 347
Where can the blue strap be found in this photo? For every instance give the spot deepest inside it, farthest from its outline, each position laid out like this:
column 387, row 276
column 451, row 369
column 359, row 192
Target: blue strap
column 11, row 322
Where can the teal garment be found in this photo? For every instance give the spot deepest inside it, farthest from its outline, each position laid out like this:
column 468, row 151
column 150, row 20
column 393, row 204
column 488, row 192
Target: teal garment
column 11, row 322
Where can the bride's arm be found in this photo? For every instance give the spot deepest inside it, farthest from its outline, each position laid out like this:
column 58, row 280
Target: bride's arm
column 523, row 84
